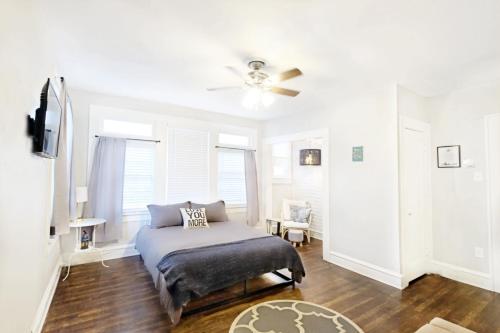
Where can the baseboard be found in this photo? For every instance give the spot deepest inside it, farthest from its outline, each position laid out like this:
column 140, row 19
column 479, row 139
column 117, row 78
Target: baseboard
column 44, row 306
column 317, row 234
column 461, row 274
column 108, row 252
column 367, row 269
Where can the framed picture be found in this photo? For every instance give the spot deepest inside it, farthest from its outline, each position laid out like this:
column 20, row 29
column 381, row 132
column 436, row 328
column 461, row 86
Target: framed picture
column 86, row 240
column 449, row 157
column 357, row 154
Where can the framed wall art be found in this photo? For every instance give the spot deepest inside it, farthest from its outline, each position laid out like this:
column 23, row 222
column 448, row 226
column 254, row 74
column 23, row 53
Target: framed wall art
column 449, row 157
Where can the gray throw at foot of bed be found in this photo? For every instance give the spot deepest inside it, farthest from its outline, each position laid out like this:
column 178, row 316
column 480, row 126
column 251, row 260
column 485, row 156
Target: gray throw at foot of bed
column 196, row 272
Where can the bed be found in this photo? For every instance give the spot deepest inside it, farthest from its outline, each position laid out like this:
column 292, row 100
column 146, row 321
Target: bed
column 186, row 264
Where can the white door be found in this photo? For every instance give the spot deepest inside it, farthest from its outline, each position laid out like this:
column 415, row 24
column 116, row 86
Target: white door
column 493, row 157
column 415, row 198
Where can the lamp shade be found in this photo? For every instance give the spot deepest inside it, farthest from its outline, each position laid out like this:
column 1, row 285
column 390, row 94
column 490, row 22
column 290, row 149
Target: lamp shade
column 310, row 157
column 81, row 194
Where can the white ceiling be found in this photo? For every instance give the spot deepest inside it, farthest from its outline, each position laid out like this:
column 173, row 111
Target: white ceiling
column 170, row 51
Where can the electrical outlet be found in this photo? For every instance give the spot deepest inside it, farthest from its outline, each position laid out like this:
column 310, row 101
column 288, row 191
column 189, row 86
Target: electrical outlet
column 479, row 252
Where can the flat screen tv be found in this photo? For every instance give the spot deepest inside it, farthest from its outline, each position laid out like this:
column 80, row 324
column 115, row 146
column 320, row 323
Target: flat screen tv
column 44, row 128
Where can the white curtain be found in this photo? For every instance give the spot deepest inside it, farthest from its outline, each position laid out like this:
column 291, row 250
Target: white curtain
column 251, row 188
column 105, row 188
column 64, row 208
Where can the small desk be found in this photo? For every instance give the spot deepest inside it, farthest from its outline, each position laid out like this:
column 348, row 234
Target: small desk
column 78, row 225
column 270, row 221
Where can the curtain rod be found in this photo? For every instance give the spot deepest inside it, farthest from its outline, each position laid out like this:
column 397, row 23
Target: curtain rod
column 234, row 148
column 146, row 140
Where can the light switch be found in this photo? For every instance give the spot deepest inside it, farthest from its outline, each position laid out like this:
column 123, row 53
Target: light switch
column 468, row 163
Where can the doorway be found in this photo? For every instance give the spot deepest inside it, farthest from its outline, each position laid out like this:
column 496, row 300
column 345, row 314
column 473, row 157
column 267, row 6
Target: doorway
column 492, row 124
column 415, row 198
column 285, row 177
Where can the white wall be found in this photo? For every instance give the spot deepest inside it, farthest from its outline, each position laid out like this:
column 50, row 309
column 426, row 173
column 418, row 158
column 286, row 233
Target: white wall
column 280, row 192
column 27, row 261
column 412, row 105
column 364, row 196
column 82, row 100
column 459, row 196
column 459, row 200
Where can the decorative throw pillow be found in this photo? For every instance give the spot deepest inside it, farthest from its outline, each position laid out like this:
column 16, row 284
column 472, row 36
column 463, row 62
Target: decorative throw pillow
column 216, row 211
column 299, row 214
column 166, row 215
column 194, row 218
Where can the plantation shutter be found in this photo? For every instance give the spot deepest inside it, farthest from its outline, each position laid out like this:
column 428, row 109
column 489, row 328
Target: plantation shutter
column 231, row 176
column 138, row 187
column 188, row 165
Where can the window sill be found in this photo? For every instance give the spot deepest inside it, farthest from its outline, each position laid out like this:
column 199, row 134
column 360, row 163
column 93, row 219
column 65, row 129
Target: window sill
column 136, row 218
column 236, row 207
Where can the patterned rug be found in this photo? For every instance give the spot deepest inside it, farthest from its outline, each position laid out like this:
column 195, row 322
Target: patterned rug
column 291, row 316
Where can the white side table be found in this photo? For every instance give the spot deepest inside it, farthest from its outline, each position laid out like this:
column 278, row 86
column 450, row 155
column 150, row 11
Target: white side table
column 78, row 225
column 273, row 221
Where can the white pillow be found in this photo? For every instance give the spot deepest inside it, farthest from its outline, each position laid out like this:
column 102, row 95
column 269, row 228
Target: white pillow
column 194, row 218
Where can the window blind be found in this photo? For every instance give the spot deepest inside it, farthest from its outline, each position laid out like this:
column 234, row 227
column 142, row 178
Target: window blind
column 231, row 177
column 138, row 188
column 188, row 165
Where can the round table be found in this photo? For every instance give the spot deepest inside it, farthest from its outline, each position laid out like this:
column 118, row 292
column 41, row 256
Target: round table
column 78, row 225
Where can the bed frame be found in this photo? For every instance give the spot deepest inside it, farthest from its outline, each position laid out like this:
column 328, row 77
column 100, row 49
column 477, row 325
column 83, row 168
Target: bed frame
column 287, row 281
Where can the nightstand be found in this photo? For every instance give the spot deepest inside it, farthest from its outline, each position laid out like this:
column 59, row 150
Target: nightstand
column 79, row 225
column 273, row 221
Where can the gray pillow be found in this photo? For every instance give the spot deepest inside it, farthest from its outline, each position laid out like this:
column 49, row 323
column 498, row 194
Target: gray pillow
column 299, row 214
column 167, row 215
column 216, row 211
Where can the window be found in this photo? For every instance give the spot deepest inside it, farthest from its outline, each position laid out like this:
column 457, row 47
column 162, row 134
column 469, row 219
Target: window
column 138, row 187
column 281, row 159
column 234, row 140
column 188, row 165
column 127, row 128
column 231, row 177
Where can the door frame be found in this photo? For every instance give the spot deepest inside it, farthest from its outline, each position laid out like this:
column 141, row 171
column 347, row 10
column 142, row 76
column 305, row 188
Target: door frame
column 406, row 123
column 493, row 221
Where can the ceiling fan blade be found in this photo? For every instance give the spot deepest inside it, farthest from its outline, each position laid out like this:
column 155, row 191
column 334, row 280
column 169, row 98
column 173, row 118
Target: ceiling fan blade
column 236, row 72
column 290, row 74
column 283, row 91
column 224, row 88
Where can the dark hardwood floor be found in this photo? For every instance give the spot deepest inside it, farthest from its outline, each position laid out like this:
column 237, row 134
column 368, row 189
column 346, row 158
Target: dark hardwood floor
column 122, row 298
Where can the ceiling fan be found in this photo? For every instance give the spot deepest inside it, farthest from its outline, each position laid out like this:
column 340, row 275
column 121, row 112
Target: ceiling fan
column 258, row 79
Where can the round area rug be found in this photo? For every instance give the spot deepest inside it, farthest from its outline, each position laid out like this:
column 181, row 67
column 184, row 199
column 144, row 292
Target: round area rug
column 291, row 316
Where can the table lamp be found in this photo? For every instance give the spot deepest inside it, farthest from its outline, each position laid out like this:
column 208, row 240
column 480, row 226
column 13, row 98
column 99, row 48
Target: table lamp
column 81, row 198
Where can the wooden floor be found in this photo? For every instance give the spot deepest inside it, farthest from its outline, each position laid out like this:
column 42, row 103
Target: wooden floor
column 122, row 298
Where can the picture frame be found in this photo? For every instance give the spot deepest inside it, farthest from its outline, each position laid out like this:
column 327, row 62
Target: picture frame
column 449, row 157
column 86, row 237
column 358, row 154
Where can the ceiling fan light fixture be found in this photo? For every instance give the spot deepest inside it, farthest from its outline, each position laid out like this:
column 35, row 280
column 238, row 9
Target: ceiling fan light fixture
column 256, row 97
column 260, row 86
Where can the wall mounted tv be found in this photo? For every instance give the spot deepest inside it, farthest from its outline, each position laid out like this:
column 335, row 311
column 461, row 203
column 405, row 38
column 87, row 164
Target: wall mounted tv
column 44, row 128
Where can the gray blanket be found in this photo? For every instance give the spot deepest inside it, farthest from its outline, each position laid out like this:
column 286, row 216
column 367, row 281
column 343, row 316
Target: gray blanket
column 155, row 244
column 193, row 273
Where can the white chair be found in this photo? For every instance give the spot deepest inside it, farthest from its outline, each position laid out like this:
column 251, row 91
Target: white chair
column 287, row 223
